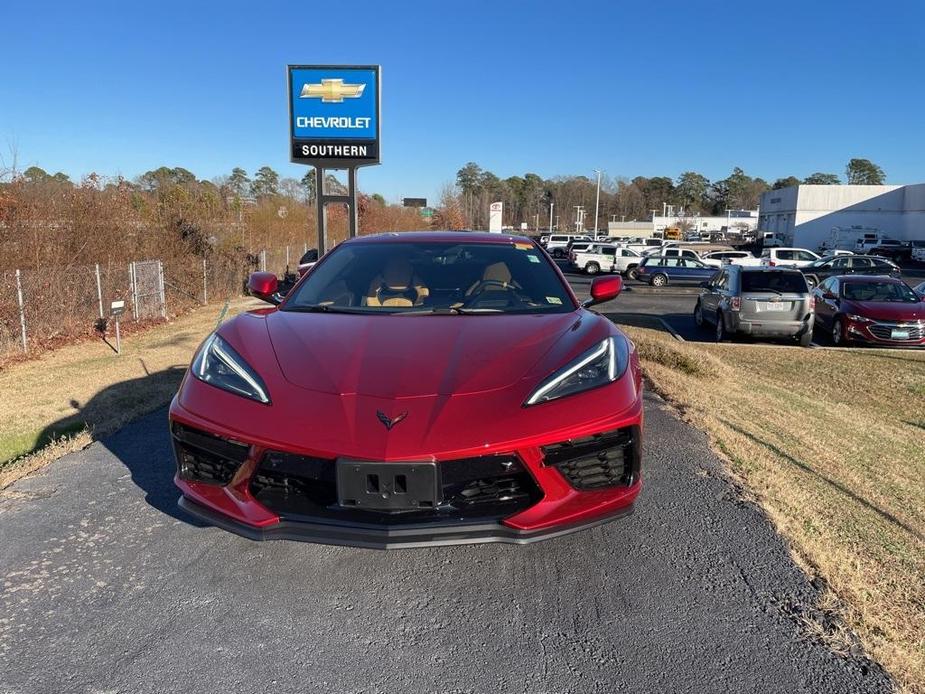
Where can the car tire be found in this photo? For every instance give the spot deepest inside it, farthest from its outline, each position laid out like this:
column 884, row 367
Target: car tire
column 698, row 314
column 837, row 336
column 557, row 253
column 592, row 268
column 721, row 335
column 659, row 280
column 631, row 273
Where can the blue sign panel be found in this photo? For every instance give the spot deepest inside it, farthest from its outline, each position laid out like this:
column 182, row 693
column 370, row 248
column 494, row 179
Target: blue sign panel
column 334, row 114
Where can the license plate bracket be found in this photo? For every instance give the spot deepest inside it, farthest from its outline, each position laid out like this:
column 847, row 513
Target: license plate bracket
column 388, row 486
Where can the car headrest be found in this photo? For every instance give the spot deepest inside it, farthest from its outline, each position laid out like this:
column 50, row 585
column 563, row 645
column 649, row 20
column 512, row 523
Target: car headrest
column 497, row 272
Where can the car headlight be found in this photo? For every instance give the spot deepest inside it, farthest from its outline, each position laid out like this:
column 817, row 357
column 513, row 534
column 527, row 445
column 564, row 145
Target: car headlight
column 602, row 364
column 855, row 318
column 219, row 365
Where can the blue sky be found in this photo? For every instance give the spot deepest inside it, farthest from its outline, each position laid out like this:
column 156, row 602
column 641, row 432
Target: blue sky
column 642, row 88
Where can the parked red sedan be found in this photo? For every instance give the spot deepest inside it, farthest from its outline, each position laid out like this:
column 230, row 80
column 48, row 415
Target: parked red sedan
column 875, row 310
column 414, row 389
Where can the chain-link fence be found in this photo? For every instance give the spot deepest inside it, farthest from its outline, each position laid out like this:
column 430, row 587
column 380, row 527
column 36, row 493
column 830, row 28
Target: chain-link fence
column 42, row 307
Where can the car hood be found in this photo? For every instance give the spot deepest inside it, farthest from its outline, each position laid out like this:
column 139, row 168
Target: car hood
column 393, row 356
column 886, row 310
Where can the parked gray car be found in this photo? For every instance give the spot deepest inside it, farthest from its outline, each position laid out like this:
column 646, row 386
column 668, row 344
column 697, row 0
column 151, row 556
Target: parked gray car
column 759, row 301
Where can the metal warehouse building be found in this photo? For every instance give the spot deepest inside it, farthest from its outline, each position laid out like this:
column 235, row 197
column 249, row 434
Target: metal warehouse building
column 805, row 216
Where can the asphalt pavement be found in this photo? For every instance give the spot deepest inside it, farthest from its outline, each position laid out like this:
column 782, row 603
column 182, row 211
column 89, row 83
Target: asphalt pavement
column 108, row 587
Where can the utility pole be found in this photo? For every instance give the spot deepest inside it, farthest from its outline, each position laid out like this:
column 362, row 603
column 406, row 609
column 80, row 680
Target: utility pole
column 579, row 211
column 597, row 200
column 551, row 205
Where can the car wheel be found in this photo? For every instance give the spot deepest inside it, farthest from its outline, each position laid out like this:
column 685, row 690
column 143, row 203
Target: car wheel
column 698, row 315
column 631, row 273
column 659, row 281
column 838, row 332
column 592, row 268
column 720, row 327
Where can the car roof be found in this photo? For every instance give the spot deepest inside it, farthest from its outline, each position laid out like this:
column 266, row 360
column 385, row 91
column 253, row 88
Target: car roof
column 765, row 268
column 441, row 237
column 868, row 278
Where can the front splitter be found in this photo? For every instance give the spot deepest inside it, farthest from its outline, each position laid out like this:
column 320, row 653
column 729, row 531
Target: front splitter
column 429, row 535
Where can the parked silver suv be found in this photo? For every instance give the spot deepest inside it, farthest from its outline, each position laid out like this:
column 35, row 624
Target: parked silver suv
column 760, row 301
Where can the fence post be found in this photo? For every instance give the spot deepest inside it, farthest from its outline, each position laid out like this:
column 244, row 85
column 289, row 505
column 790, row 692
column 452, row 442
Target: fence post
column 205, row 284
column 22, row 312
column 99, row 289
column 160, row 283
column 133, row 289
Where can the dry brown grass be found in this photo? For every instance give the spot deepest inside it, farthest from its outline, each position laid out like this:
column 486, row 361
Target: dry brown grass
column 832, row 444
column 86, row 390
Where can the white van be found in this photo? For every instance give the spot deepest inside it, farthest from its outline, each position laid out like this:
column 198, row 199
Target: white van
column 787, row 257
column 558, row 243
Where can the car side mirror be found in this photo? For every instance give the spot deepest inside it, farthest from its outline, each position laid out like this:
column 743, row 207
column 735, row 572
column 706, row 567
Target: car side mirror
column 264, row 286
column 604, row 289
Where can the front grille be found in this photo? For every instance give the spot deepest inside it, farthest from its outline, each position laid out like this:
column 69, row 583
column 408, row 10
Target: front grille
column 885, row 331
column 204, row 457
column 608, row 459
column 482, row 488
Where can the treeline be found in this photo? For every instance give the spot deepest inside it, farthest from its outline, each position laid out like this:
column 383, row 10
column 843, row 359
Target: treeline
column 527, row 198
column 46, row 220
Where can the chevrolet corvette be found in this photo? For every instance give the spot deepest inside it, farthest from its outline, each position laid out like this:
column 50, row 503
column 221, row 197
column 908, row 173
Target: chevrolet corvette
column 414, row 389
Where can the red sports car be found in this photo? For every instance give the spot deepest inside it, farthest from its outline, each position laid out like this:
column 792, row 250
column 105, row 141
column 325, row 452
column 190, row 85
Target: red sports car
column 875, row 310
column 414, row 389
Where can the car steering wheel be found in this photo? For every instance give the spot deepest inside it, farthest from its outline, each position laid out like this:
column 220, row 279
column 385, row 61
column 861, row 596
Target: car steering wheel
column 486, row 284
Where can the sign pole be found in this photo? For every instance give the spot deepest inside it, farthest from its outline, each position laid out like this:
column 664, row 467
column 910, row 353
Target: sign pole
column 352, row 192
column 321, row 212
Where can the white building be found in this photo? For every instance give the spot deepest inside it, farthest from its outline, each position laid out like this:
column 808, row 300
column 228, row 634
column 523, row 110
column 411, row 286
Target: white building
column 805, row 216
column 736, row 220
column 742, row 221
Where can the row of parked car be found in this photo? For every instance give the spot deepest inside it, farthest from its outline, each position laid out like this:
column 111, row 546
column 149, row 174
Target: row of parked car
column 845, row 309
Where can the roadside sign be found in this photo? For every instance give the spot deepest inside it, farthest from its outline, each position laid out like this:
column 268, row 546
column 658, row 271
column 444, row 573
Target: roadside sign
column 414, row 202
column 495, row 213
column 334, row 115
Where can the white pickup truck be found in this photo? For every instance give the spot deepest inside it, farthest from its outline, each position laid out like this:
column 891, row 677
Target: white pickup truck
column 606, row 258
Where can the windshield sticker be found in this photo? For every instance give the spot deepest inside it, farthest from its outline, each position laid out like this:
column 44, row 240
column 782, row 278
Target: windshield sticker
column 533, row 259
column 553, row 300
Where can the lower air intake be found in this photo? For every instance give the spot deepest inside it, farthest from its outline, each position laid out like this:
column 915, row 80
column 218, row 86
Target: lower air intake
column 203, row 457
column 608, row 459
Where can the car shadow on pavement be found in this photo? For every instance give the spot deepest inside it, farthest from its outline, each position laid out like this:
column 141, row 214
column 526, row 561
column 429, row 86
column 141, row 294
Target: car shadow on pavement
column 129, row 419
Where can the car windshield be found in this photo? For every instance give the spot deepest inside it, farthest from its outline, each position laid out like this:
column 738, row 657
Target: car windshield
column 421, row 278
column 780, row 282
column 879, row 291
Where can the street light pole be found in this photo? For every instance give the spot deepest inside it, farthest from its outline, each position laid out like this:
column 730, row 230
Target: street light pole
column 551, row 205
column 597, row 201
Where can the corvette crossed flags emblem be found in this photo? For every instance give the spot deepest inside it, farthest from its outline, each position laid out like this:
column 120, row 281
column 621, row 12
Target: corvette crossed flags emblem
column 388, row 422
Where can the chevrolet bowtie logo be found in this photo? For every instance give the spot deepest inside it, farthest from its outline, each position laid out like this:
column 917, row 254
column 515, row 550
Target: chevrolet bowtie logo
column 332, row 91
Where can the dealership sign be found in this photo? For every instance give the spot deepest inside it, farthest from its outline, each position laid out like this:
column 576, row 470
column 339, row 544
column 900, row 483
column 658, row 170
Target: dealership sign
column 334, row 115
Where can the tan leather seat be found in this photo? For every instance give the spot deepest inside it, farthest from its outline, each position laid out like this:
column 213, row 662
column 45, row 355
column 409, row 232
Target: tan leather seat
column 498, row 275
column 396, row 286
